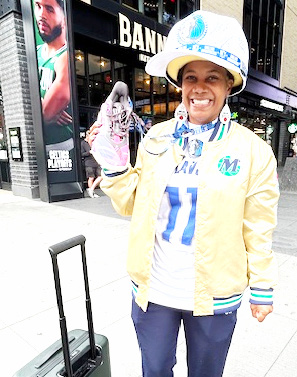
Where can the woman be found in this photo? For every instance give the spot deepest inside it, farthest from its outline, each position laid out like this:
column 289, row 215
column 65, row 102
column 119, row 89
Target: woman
column 203, row 197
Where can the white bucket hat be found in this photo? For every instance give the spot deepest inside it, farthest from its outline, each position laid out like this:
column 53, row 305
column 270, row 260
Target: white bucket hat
column 203, row 36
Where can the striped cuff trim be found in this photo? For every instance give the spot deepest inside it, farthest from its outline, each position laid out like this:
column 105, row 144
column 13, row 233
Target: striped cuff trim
column 226, row 305
column 134, row 288
column 109, row 173
column 261, row 296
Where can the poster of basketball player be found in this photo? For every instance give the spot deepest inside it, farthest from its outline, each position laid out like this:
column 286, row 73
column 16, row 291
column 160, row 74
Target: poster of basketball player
column 55, row 93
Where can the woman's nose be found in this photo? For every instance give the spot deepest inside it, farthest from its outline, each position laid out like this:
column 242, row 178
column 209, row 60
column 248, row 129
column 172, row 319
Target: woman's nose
column 199, row 87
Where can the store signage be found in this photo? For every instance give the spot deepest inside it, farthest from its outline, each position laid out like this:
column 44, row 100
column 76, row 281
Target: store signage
column 271, row 105
column 138, row 37
column 292, row 128
column 15, row 143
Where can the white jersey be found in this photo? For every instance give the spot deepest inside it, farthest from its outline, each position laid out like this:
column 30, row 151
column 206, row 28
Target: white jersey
column 173, row 273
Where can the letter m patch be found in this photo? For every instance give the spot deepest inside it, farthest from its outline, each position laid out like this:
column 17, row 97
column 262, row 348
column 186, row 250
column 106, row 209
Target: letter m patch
column 229, row 166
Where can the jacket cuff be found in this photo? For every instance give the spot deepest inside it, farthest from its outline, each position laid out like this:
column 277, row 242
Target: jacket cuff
column 110, row 174
column 260, row 296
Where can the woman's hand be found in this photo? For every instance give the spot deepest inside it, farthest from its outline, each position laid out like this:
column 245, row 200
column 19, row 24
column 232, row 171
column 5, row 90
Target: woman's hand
column 110, row 150
column 109, row 135
column 261, row 311
column 94, row 130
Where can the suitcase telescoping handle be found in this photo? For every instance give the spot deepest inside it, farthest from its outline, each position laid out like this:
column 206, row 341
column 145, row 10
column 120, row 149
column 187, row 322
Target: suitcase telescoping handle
column 54, row 251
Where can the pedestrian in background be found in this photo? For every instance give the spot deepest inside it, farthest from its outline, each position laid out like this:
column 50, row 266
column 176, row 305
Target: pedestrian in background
column 148, row 123
column 91, row 166
column 203, row 196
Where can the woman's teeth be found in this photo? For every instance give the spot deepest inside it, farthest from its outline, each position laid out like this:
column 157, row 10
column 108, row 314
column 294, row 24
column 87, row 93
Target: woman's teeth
column 200, row 102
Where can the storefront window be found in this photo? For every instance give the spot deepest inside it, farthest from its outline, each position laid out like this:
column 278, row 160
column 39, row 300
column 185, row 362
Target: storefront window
column 84, row 122
column 160, row 98
column 95, row 77
column 5, row 178
column 262, row 122
column 262, row 22
column 142, row 93
column 131, row 3
column 82, row 90
column 3, row 142
column 100, row 80
column 186, row 7
column 169, row 12
column 174, row 99
column 159, row 85
column 81, row 81
column 150, row 8
column 122, row 73
column 80, row 63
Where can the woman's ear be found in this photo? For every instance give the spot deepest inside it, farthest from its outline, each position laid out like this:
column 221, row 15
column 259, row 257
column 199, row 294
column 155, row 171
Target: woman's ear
column 230, row 83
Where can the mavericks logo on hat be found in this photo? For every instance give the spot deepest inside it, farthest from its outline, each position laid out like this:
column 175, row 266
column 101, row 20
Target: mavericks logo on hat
column 190, row 33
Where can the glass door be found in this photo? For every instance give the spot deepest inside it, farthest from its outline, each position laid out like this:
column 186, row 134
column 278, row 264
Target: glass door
column 5, row 179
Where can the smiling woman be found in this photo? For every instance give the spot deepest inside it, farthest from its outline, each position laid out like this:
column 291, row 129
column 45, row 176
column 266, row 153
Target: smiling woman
column 202, row 196
column 205, row 87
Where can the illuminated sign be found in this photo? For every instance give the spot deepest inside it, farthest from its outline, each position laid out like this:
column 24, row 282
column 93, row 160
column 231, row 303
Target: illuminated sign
column 271, row 105
column 269, row 129
column 292, row 128
column 138, row 37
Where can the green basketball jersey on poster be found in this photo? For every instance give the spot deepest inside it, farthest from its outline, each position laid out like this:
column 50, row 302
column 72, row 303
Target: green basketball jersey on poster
column 53, row 133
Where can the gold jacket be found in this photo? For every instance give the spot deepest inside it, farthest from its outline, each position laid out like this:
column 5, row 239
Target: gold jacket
column 236, row 213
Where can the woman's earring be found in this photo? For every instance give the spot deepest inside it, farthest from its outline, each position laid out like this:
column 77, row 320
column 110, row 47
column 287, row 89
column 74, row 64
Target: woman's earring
column 181, row 113
column 225, row 114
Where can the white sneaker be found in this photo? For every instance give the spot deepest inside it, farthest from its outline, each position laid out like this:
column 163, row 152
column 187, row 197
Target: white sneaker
column 90, row 192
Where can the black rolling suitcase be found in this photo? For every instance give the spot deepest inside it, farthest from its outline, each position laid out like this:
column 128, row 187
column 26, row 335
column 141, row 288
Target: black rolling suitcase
column 78, row 353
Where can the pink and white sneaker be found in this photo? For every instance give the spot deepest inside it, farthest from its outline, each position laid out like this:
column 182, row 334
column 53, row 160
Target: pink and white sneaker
column 111, row 145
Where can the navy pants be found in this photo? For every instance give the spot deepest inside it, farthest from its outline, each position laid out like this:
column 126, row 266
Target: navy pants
column 208, row 340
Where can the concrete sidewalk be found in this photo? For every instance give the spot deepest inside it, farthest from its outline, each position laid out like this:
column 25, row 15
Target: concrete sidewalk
column 29, row 317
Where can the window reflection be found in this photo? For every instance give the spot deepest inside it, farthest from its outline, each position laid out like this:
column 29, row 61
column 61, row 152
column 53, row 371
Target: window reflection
column 150, row 8
column 174, row 95
column 142, row 92
column 186, row 7
column 81, row 81
column 262, row 25
column 169, row 12
column 100, row 81
column 159, row 95
column 80, row 62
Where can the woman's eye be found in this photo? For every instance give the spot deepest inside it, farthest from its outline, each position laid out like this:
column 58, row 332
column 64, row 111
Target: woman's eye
column 212, row 78
column 190, row 78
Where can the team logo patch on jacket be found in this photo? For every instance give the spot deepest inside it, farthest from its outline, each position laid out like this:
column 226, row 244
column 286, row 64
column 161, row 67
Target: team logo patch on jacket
column 229, row 166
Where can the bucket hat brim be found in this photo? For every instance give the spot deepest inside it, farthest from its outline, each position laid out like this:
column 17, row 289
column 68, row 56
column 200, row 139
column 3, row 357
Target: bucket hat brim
column 168, row 63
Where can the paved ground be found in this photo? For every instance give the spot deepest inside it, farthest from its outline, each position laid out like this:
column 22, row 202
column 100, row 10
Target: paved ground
column 29, row 317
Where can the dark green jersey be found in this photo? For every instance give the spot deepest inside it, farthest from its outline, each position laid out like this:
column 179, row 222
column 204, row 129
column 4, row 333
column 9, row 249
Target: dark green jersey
column 53, row 133
column 46, row 67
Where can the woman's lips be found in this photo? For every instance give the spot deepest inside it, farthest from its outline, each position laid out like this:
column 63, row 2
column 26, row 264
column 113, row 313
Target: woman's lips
column 200, row 101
